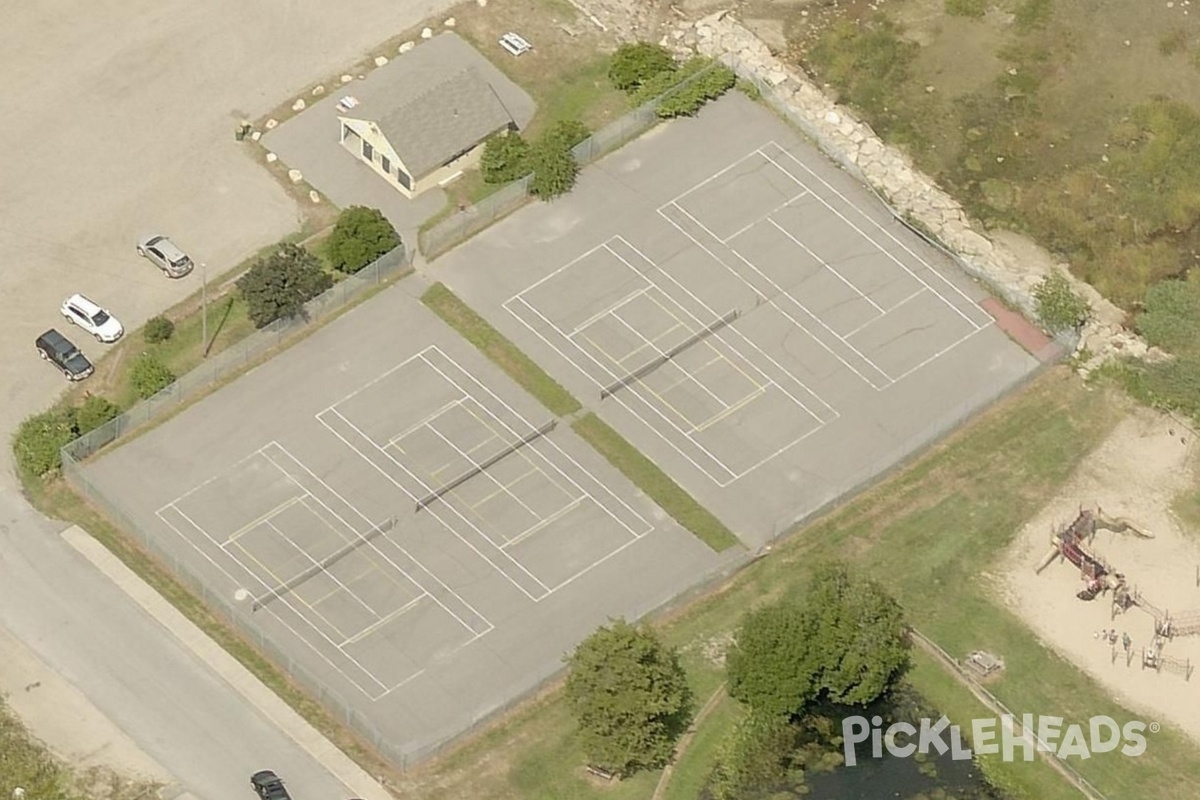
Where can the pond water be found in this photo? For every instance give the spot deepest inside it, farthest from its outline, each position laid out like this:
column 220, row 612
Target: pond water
column 891, row 778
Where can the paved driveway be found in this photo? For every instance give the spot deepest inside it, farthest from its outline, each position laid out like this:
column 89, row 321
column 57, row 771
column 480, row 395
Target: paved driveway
column 119, row 119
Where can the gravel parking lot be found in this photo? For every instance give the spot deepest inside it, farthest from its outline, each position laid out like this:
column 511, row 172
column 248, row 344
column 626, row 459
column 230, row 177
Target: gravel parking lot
column 121, row 115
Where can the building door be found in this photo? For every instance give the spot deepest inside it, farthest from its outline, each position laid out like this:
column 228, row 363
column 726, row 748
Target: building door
column 368, row 151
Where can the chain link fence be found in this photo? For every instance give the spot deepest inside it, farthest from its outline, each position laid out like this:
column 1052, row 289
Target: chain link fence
column 234, row 359
column 465, row 223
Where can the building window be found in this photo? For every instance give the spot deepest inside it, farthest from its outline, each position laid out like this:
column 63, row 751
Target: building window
column 403, row 178
column 368, row 152
column 385, row 164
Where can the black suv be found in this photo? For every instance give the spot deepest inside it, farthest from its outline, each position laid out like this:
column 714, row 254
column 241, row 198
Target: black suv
column 55, row 347
column 268, row 786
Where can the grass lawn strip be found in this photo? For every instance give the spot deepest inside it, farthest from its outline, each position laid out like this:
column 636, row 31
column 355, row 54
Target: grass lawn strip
column 503, row 353
column 657, row 485
column 933, row 534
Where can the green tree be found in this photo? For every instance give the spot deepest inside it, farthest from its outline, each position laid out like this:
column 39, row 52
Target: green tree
column 635, row 63
column 360, row 236
column 1058, row 306
column 630, row 697
column 150, row 375
column 844, row 641
column 772, row 666
column 566, row 133
column 94, row 412
column 279, row 285
column 757, row 753
column 861, row 636
column 39, row 440
column 158, row 329
column 554, row 169
column 504, row 158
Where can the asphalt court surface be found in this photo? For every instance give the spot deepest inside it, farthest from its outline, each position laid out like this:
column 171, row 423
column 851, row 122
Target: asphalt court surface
column 404, row 525
column 744, row 312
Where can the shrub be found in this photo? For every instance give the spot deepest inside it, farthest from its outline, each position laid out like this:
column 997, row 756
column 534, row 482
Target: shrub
column 554, row 169
column 94, row 412
column 158, row 329
column 754, row 755
column 687, row 100
column 634, row 64
column 1171, row 319
column 566, row 133
column 39, row 439
column 278, row 285
column 663, row 82
column 1058, row 306
column 966, row 8
column 150, row 375
column 360, row 236
column 505, row 158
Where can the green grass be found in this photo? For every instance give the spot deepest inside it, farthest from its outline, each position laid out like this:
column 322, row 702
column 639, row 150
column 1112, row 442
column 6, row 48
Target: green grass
column 581, row 92
column 933, row 534
column 503, row 353
column 692, row 768
column 658, row 486
column 228, row 324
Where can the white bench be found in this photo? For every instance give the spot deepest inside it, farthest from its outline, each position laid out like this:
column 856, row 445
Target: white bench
column 515, row 44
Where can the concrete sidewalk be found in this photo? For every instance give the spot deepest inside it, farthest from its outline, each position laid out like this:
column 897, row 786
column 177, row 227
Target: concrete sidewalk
column 266, row 702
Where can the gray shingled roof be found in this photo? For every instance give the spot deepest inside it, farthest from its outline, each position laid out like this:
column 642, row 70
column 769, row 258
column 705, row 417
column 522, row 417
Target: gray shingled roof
column 448, row 118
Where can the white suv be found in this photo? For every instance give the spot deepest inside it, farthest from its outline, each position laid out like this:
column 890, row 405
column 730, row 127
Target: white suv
column 80, row 311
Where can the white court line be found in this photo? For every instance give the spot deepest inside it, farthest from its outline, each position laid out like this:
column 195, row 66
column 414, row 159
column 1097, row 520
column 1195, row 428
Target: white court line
column 381, row 621
column 425, row 422
column 871, row 322
column 430, row 508
column 366, row 672
column 889, row 235
column 659, row 352
column 533, row 447
column 279, row 509
column 545, row 521
column 658, row 412
column 771, row 360
column 746, row 157
column 824, row 264
column 770, row 382
column 483, row 472
column 774, row 210
column 779, row 291
column 316, row 563
column 614, row 377
column 613, row 308
column 552, row 275
column 372, row 526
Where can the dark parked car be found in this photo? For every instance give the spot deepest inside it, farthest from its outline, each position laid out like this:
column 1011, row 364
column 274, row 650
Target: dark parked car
column 268, row 786
column 56, row 348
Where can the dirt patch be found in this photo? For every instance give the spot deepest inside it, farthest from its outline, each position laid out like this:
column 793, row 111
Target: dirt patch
column 1135, row 473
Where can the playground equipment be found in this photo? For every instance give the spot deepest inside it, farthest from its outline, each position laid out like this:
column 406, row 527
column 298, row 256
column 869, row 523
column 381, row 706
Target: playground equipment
column 1073, row 544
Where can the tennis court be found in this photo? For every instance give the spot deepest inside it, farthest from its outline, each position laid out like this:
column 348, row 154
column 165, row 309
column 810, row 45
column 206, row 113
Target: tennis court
column 488, row 474
column 743, row 312
column 373, row 611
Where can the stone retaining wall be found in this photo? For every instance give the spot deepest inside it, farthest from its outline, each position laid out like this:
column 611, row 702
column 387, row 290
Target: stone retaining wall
column 1007, row 268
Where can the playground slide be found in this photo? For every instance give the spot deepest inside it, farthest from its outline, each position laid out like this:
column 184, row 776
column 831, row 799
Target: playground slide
column 1120, row 525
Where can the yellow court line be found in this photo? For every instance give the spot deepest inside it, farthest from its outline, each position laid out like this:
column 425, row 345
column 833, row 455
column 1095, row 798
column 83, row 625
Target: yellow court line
column 745, row 401
column 557, row 515
column 374, row 626
column 279, row 509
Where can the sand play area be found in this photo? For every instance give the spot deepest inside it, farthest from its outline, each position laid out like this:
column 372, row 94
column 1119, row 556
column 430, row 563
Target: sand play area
column 1135, row 474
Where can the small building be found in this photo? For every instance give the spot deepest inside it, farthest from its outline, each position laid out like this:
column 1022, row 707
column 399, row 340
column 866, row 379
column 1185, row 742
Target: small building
column 422, row 119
